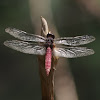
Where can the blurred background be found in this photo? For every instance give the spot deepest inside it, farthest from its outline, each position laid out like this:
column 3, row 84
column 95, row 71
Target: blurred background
column 19, row 76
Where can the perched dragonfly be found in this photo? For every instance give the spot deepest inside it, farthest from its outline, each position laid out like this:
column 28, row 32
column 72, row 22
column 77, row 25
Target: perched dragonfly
column 49, row 46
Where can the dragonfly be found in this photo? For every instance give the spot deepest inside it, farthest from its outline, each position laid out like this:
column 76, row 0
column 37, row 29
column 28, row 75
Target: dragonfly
column 49, row 46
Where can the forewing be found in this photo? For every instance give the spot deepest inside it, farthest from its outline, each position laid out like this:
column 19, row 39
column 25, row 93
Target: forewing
column 74, row 41
column 25, row 47
column 24, row 35
column 72, row 52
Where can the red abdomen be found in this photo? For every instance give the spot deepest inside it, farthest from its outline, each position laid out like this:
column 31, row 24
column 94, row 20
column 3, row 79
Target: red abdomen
column 48, row 60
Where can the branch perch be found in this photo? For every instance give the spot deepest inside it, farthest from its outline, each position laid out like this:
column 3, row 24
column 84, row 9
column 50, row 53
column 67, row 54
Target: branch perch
column 47, row 82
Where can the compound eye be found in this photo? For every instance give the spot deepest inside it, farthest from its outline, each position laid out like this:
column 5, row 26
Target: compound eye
column 53, row 36
column 48, row 40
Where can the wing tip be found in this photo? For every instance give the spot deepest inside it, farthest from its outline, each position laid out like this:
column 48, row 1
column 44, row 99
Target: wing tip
column 91, row 51
column 90, row 37
column 6, row 43
column 93, row 38
column 7, row 29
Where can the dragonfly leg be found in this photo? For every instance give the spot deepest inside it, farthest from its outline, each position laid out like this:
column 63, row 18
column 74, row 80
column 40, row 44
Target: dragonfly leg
column 54, row 68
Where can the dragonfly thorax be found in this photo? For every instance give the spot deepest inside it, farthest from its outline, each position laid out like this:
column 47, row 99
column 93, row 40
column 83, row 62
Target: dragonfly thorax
column 49, row 40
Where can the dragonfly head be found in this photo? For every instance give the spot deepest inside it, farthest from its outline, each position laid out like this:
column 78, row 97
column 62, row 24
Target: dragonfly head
column 50, row 35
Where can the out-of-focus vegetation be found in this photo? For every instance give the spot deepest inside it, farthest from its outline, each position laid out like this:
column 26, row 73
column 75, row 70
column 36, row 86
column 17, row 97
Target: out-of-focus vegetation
column 19, row 78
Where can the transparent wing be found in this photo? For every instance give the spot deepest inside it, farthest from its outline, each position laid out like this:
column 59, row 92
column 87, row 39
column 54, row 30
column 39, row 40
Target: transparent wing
column 25, row 47
column 72, row 52
column 24, row 35
column 75, row 41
